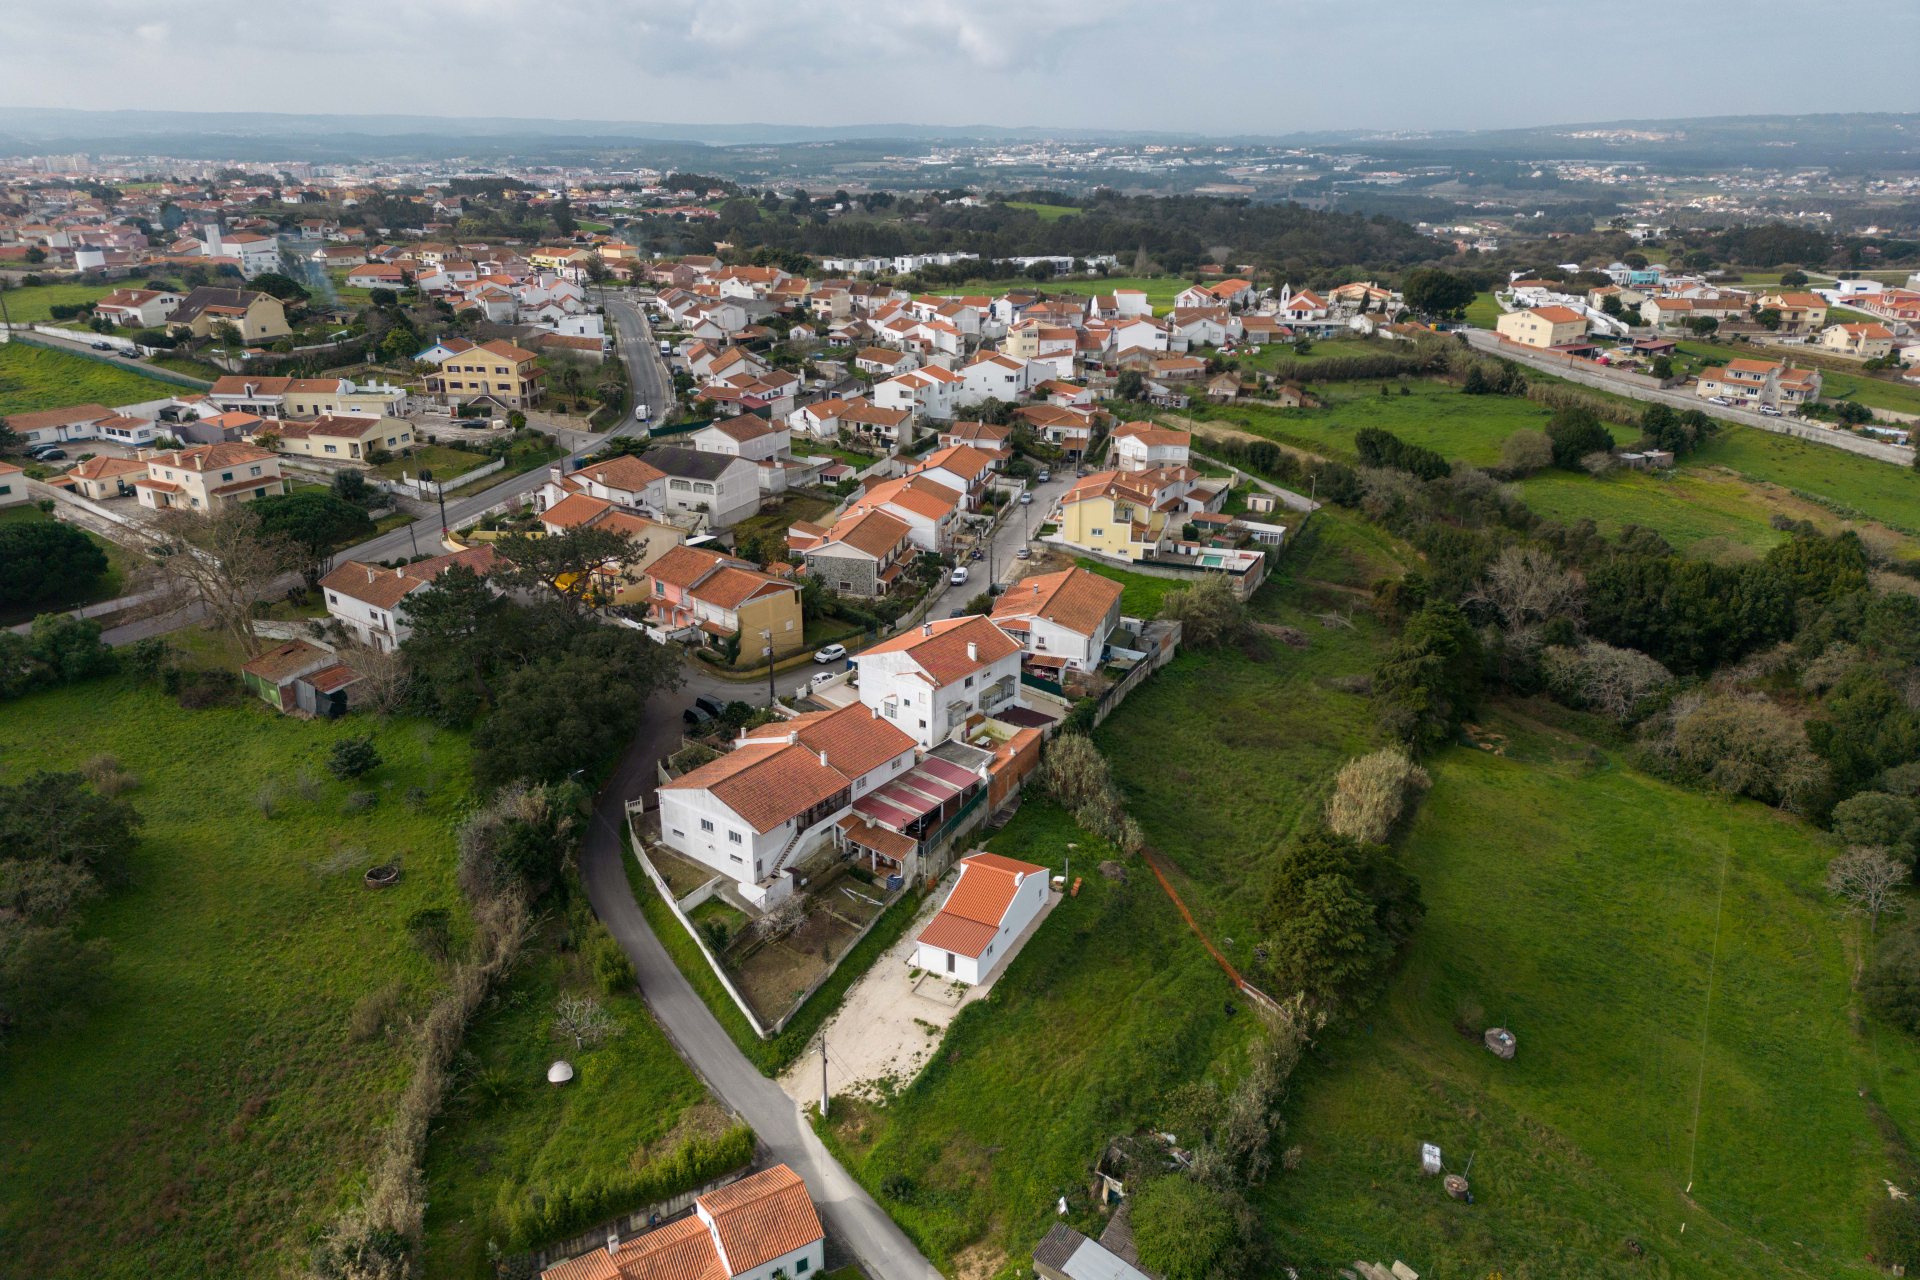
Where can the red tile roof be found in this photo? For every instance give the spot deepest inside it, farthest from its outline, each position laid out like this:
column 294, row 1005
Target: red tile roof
column 940, row 648
column 972, row 913
column 763, row 1217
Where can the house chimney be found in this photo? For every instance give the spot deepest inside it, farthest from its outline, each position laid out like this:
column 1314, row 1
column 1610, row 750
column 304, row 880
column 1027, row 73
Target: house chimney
column 926, row 630
column 369, row 573
column 823, row 757
column 973, row 651
column 875, row 713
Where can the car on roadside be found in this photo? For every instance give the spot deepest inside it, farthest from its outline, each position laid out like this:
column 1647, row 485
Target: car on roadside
column 46, row 453
column 1043, row 477
column 1770, row 411
column 1722, row 401
column 959, row 576
column 1024, row 553
column 822, row 677
column 103, row 346
column 711, row 705
column 696, row 717
column 957, row 613
column 832, row 653
column 1026, row 499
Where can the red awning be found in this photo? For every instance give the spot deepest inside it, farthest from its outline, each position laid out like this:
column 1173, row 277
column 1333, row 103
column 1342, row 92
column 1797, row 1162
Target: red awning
column 872, row 806
column 947, row 771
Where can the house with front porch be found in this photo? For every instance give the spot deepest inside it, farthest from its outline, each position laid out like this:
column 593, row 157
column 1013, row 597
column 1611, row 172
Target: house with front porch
column 941, row 678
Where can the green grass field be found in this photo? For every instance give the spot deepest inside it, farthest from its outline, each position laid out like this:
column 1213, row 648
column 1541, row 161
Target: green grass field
column 35, row 305
column 214, row 1112
column 34, row 378
column 626, row 1094
column 1143, row 593
column 1583, row 906
column 1433, row 415
column 1111, row 1003
column 1483, row 312
column 1160, row 290
column 1047, row 212
column 1270, row 355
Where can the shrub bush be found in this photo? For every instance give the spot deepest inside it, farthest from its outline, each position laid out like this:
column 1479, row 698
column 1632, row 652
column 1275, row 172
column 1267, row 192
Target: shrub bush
column 359, row 802
column 353, row 757
column 1370, row 792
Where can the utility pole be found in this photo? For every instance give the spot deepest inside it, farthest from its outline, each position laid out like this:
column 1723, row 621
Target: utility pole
column 766, row 633
column 823, row 1075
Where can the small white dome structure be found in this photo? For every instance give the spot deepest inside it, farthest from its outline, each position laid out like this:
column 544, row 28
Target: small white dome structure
column 560, row 1072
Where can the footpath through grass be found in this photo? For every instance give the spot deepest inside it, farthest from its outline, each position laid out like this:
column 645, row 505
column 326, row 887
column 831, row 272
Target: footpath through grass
column 34, row 378
column 209, row 1117
column 1582, row 905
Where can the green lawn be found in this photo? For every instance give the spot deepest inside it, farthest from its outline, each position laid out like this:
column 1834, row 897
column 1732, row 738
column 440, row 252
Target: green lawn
column 214, row 1112
column 436, row 458
column 1885, row 492
column 1047, row 212
column 487, row 1150
column 1278, row 351
column 1109, row 1005
column 35, row 305
column 1143, row 593
column 1577, row 902
column 1483, row 312
column 34, row 378
column 794, row 506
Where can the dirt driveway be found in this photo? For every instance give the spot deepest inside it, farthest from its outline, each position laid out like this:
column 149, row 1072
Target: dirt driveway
column 889, row 1025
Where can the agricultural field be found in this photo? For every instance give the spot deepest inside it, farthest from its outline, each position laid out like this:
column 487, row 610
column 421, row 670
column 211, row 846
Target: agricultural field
column 1432, row 414
column 34, row 378
column 1047, row 212
column 259, row 990
column 1679, row 990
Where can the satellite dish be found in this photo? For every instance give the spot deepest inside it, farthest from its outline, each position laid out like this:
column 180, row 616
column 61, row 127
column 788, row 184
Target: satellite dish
column 560, row 1072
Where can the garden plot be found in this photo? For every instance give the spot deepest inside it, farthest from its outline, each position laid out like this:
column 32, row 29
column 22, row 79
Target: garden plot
column 776, row 964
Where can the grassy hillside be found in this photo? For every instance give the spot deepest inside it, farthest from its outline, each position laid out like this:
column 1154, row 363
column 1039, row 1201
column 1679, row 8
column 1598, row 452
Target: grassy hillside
column 33, row 378
column 208, row 1117
column 1679, row 990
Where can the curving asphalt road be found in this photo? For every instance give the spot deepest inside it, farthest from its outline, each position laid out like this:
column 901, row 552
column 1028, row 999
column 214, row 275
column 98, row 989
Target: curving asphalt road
column 850, row 1214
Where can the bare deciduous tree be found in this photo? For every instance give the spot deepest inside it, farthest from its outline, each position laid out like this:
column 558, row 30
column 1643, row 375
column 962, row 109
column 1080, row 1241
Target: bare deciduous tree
column 1605, row 678
column 782, row 918
column 221, row 562
column 1528, row 588
column 1868, row 882
column 383, row 683
column 583, row 1020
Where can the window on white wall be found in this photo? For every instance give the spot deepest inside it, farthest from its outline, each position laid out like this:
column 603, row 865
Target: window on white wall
column 706, row 824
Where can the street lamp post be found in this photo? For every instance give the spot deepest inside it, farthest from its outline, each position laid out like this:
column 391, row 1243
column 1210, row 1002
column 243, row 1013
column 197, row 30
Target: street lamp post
column 766, row 633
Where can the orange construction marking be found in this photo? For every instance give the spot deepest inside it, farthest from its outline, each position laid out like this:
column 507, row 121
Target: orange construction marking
column 1076, row 888
column 1238, row 981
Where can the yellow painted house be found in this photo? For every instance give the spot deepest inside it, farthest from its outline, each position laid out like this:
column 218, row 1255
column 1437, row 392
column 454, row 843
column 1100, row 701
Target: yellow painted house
column 1108, row 514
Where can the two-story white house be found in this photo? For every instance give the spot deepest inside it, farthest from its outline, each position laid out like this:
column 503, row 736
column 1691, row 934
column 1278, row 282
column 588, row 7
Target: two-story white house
column 925, row 392
column 1061, row 620
column 963, row 469
column 1146, row 446
column 934, row 680
column 993, row 376
column 625, row 480
column 370, row 601
column 748, row 436
column 723, row 487
column 771, row 801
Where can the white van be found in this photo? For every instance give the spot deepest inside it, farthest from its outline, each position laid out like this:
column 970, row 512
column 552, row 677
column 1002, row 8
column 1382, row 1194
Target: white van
column 640, row 414
column 666, row 348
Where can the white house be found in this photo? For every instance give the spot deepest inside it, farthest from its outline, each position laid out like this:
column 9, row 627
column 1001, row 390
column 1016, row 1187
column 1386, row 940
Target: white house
column 1144, row 446
column 138, row 308
column 994, row 899
column 370, row 601
column 933, row 679
column 256, row 253
column 725, row 488
column 928, row 509
column 768, row 803
column 1143, row 332
column 758, row 1228
column 625, row 480
column 748, row 436
column 963, row 469
column 991, row 376
column 1061, row 619
column 926, row 392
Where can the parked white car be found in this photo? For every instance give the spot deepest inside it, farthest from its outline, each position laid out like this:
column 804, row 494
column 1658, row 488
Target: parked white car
column 832, row 653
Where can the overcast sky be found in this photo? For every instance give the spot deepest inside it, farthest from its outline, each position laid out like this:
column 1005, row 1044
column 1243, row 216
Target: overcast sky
column 1255, row 66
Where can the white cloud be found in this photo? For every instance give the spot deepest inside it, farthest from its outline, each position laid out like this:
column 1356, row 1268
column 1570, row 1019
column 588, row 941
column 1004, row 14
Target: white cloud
column 1269, row 66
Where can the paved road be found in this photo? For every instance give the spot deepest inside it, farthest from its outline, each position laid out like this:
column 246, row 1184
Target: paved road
column 852, row 1218
column 640, row 351
column 1684, row 398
